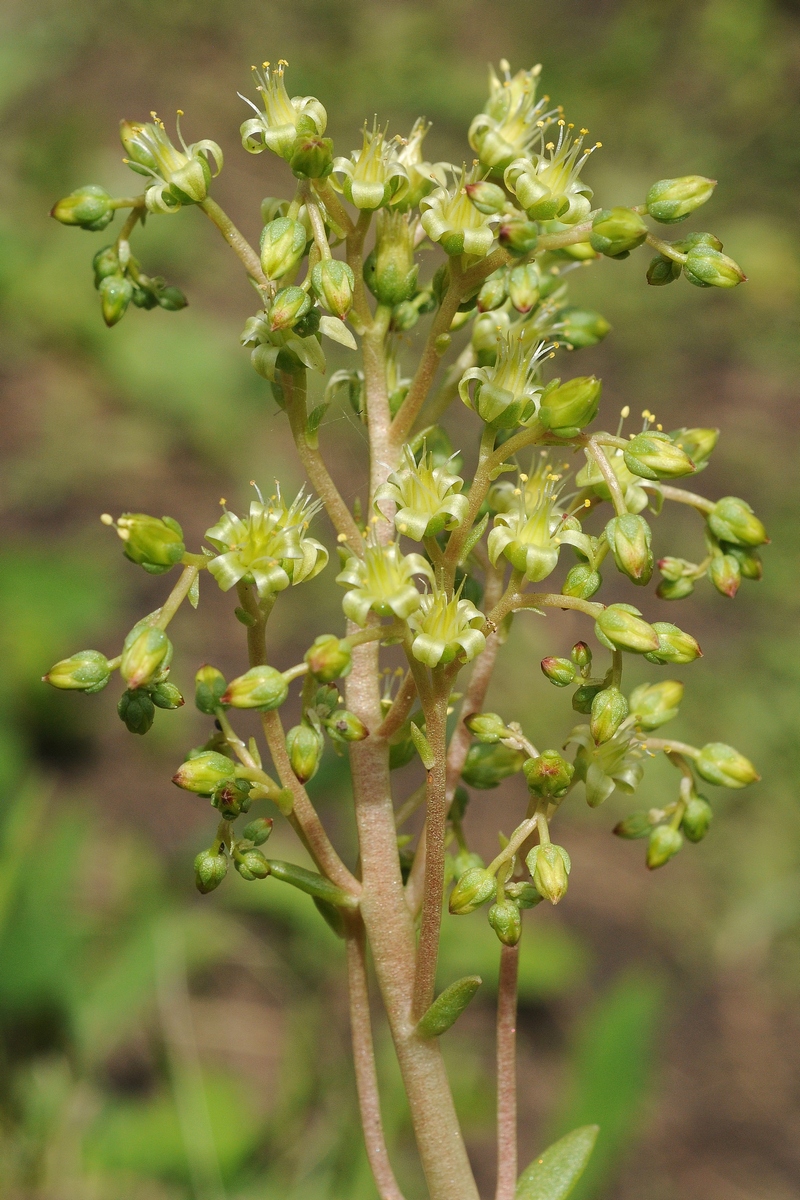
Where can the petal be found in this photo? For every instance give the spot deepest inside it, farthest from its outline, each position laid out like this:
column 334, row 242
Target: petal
column 428, row 650
column 273, row 579
column 404, row 601
column 411, row 523
column 472, row 642
column 227, row 569
column 356, row 605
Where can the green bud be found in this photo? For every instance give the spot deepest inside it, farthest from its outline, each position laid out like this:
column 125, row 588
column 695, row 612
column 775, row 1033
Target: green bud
column 582, row 581
column 653, row 704
column 171, row 299
column 493, row 292
column 115, row 296
column 258, row 831
column 662, row 270
column 549, row 774
column 697, row 443
column 749, row 561
column 582, row 327
column 390, row 271
column 448, row 1007
column 143, row 655
column 672, row 200
column 518, row 237
column 654, row 455
column 722, row 765
column 630, row 539
column 333, row 283
column 136, row 710
column 488, row 728
column 571, row 405
column 344, row 726
column 87, row 671
column 523, row 287
column 166, row 695
column 474, row 888
column 203, row 773
column 251, row 864
column 304, row 746
column 609, row 710
column 620, row 627
column 261, row 687
column 487, row 197
column 289, row 305
column 209, row 688
column 559, row 671
column 155, row 543
column 693, row 240
column 549, row 866
column 617, row 231
column 674, row 646
column 664, row 843
column 329, row 658
column 106, row 262
column 231, row 798
column 312, row 157
column 675, row 589
column 697, row 818
column 733, row 520
column 90, row 207
column 637, row 825
column 581, row 655
column 706, row 267
column 487, row 766
column 283, row 244
column 583, row 697
column 725, row 574
column 505, row 920
column 523, row 893
column 209, row 870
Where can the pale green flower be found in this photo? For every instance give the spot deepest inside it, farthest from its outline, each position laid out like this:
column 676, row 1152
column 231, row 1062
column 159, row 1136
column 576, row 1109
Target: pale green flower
column 507, row 393
column 512, row 118
column 428, row 498
column 450, row 218
column 283, row 120
column 382, row 582
column 616, row 763
column 422, row 176
column 269, row 547
column 445, row 629
column 547, row 183
column 177, row 176
column 530, row 532
column 373, row 174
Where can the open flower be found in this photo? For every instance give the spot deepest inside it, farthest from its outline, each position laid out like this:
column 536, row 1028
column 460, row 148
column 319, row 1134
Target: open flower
column 507, row 393
column 283, row 120
column 383, row 582
column 422, row 176
column 512, row 118
column 450, row 218
column 547, row 183
column 373, row 174
column 445, row 629
column 530, row 532
column 616, row 763
column 177, row 176
column 269, row 547
column 428, row 498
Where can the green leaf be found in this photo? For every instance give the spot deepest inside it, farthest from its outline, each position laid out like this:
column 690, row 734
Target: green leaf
column 553, row 1175
column 447, row 1008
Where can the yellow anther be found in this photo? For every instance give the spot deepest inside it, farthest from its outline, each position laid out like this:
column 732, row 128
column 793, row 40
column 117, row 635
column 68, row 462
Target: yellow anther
column 587, row 504
column 107, row 518
column 660, row 427
column 180, row 112
column 584, row 132
column 625, row 411
column 517, row 491
column 523, row 478
column 222, row 501
column 341, row 537
column 550, row 146
column 598, row 145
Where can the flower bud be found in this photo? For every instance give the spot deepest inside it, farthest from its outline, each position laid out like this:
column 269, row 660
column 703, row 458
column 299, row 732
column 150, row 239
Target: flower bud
column 105, row 262
column 251, row 864
column 567, row 408
column 209, row 688
column 582, row 327
column 662, row 270
column 518, row 237
column 474, row 888
column 609, row 710
column 749, row 561
column 231, row 798
column 674, row 646
column 620, row 627
column 581, row 655
column 143, row 655
column 617, row 231
column 523, row 287
column 733, row 520
column 488, row 728
column 115, row 296
column 344, row 726
column 505, row 920
column 707, row 267
column 258, row 831
column 91, row 207
column 167, row 696
column 697, row 443
column 549, row 866
column 311, row 157
column 333, row 282
column 724, row 766
column 289, row 305
column 523, row 893
column 283, row 244
column 672, row 200
column 329, row 658
column 488, row 766
column 549, row 774
column 582, row 582
column 204, row 772
column 493, row 292
column 304, row 747
column 637, row 825
column 675, row 589
column 725, row 574
column 559, row 671
column 663, row 844
column 87, row 671
column 654, row 455
column 155, row 543
column 487, row 197
column 261, row 687
column 653, row 704
column 136, row 710
column 583, row 697
column 630, row 538
column 209, row 870
column 697, row 818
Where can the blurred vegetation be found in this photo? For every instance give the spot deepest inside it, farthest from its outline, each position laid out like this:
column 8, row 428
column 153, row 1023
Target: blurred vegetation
column 157, row 1046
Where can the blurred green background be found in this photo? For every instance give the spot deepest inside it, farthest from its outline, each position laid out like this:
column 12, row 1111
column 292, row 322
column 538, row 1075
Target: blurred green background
column 160, row 1046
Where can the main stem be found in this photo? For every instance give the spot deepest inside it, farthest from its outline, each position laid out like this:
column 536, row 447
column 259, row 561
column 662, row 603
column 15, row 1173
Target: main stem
column 507, row 1074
